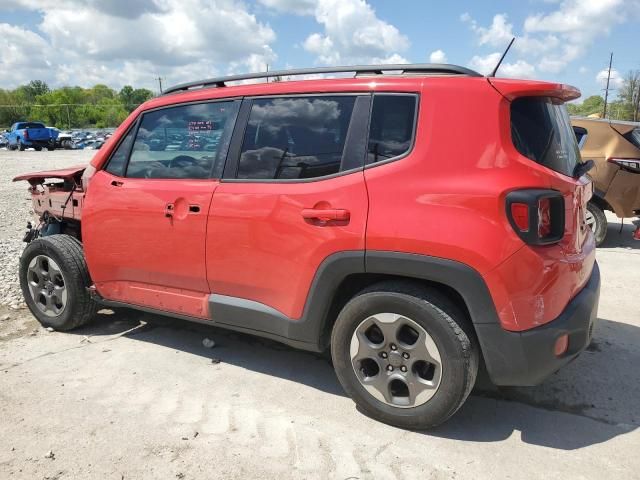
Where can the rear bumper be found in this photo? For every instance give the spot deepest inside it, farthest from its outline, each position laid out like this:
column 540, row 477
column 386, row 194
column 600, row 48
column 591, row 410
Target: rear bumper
column 527, row 358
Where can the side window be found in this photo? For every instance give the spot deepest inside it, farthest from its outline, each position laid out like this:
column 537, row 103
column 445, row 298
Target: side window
column 392, row 126
column 183, row 141
column 118, row 159
column 295, row 137
column 581, row 136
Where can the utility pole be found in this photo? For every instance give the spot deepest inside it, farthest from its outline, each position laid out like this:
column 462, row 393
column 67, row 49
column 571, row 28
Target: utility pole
column 160, row 84
column 267, row 72
column 606, row 90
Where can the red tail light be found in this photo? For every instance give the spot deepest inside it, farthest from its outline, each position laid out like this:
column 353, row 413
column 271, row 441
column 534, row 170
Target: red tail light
column 541, row 209
column 26, row 134
column 629, row 164
column 520, row 215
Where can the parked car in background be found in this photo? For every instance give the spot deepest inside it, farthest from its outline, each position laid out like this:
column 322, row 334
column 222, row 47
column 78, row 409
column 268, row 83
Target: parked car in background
column 614, row 146
column 32, row 135
column 3, row 141
column 64, row 140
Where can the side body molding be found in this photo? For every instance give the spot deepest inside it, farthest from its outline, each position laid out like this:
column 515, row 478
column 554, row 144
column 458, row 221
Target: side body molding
column 308, row 332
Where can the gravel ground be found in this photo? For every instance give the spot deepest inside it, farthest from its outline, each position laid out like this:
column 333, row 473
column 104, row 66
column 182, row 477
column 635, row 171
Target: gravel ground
column 15, row 210
column 133, row 396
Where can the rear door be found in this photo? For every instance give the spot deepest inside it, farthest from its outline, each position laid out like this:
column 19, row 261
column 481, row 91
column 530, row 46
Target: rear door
column 145, row 215
column 293, row 194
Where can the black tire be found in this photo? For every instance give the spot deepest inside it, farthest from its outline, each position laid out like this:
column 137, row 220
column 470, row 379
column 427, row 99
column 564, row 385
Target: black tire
column 601, row 225
column 51, row 149
column 444, row 322
column 38, row 149
column 67, row 252
column 20, row 146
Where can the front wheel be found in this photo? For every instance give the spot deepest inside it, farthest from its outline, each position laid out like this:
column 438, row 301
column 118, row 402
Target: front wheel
column 54, row 281
column 405, row 354
column 597, row 221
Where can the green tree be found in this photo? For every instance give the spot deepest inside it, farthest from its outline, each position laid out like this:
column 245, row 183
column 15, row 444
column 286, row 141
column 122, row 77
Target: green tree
column 630, row 95
column 590, row 106
column 131, row 98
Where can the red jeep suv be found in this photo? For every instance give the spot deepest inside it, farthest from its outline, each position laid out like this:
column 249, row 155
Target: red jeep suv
column 415, row 220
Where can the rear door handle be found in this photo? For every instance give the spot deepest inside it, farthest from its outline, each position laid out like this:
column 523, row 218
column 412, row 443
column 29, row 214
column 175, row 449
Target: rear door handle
column 116, row 183
column 325, row 214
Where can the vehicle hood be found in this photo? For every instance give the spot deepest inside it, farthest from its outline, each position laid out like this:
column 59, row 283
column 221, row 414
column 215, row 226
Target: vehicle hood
column 64, row 173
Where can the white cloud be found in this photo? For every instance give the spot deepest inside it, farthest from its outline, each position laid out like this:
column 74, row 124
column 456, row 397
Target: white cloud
column 551, row 41
column 577, row 24
column 616, row 81
column 486, row 64
column 23, row 53
column 498, row 34
column 123, row 40
column 438, row 56
column 352, row 34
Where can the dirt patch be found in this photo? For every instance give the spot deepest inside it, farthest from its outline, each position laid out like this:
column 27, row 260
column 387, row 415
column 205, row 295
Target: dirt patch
column 17, row 323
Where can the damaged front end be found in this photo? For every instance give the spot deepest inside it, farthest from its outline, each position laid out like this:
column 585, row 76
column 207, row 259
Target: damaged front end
column 57, row 197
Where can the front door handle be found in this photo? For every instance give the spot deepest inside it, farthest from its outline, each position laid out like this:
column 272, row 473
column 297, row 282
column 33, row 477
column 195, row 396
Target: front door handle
column 326, row 214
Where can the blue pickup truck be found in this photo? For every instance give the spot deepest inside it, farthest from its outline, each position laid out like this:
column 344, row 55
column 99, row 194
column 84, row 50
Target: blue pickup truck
column 31, row 135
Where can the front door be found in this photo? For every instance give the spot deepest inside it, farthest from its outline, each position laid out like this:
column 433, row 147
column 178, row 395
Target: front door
column 293, row 194
column 145, row 215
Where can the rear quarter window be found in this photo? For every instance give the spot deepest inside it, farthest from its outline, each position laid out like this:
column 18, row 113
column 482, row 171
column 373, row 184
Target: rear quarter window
column 541, row 131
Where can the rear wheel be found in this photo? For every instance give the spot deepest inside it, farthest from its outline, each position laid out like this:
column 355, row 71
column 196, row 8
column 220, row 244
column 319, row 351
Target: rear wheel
column 405, row 354
column 20, row 145
column 597, row 221
column 38, row 149
column 54, row 281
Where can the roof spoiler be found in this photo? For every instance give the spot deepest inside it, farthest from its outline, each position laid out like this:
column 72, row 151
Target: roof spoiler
column 511, row 89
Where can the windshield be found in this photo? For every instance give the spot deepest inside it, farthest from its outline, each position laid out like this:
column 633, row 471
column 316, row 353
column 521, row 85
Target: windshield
column 541, row 131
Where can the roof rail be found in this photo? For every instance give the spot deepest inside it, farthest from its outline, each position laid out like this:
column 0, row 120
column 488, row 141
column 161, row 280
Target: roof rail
column 427, row 68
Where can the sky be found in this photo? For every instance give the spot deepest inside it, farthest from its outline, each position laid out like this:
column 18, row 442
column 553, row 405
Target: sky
column 133, row 42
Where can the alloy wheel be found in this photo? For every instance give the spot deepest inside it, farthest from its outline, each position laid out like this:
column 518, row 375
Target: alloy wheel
column 47, row 285
column 396, row 360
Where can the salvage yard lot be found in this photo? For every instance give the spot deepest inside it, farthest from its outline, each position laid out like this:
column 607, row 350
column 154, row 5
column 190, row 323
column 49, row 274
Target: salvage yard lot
column 139, row 396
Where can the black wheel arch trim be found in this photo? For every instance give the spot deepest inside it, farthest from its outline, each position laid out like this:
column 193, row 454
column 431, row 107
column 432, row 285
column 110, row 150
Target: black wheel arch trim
column 309, row 332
